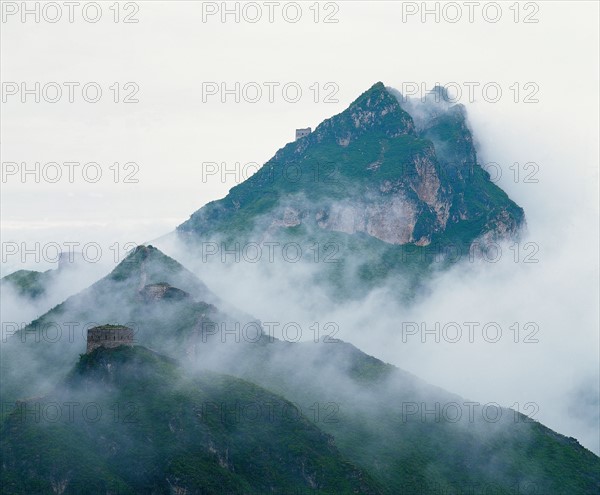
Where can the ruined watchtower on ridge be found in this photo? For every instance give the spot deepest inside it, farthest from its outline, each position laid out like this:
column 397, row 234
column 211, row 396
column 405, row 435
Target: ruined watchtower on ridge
column 300, row 133
column 108, row 336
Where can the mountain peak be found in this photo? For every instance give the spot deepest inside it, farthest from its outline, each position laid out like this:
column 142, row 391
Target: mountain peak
column 387, row 178
column 155, row 276
column 375, row 93
column 373, row 96
column 140, row 257
column 375, row 110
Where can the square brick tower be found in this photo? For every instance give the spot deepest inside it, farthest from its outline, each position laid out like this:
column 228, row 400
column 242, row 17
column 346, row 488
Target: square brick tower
column 108, row 336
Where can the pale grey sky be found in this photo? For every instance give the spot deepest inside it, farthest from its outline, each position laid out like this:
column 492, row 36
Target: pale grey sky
column 171, row 52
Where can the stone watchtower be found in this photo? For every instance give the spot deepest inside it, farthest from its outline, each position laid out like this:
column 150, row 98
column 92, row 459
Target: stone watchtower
column 108, row 336
column 300, row 133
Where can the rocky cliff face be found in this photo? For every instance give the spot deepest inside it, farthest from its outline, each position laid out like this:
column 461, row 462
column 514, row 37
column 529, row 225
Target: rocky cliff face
column 373, row 169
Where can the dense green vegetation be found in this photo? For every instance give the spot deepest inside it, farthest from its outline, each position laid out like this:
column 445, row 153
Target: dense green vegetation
column 29, row 283
column 357, row 399
column 376, row 414
column 162, row 429
column 367, row 155
column 138, row 425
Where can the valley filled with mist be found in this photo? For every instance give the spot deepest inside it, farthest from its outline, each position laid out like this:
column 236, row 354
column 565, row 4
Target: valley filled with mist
column 273, row 341
column 294, row 248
